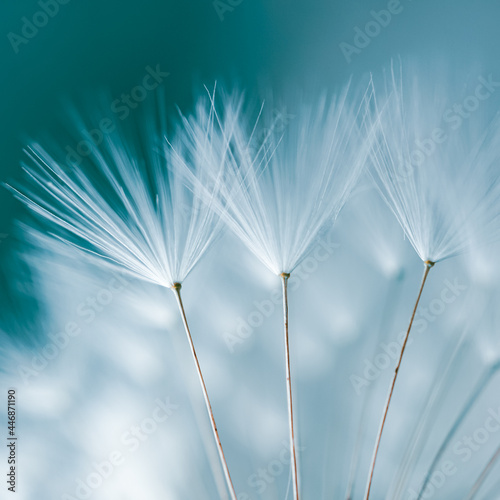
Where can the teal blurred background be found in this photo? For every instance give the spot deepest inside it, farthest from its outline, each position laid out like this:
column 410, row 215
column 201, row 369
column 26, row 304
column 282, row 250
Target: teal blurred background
column 87, row 47
column 94, row 45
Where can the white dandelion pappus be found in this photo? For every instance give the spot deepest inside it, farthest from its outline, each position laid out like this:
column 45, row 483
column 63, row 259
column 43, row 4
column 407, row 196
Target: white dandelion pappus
column 442, row 185
column 156, row 230
column 278, row 195
column 432, row 180
column 130, row 209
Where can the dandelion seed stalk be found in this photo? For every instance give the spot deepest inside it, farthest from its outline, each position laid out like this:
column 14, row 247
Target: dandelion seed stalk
column 428, row 265
column 477, row 391
column 285, row 277
column 416, row 444
column 176, row 287
column 484, row 474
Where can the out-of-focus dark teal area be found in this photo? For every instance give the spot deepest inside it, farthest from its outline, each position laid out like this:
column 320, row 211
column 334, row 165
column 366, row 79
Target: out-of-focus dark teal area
column 92, row 45
column 54, row 51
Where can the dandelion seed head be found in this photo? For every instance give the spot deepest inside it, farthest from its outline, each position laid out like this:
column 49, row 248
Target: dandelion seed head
column 280, row 186
column 123, row 203
column 440, row 183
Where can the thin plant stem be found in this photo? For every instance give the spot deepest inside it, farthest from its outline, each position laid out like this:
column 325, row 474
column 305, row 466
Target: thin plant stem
column 435, row 399
column 482, row 478
column 285, row 277
column 177, row 290
column 476, row 392
column 428, row 265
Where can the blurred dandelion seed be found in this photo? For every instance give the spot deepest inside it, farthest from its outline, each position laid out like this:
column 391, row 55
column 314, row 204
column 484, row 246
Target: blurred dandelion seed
column 128, row 209
column 447, row 198
column 469, row 404
column 484, row 475
column 440, row 198
column 416, row 443
column 292, row 190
